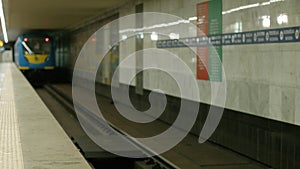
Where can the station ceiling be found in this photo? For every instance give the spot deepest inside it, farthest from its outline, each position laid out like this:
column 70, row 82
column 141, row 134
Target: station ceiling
column 24, row 15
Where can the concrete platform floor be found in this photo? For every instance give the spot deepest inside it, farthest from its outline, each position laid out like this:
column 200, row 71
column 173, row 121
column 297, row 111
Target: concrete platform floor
column 30, row 137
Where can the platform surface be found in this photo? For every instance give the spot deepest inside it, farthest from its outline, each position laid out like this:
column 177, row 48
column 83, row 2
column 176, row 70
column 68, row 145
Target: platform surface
column 30, row 137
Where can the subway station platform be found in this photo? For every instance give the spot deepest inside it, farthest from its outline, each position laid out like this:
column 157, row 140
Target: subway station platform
column 30, row 137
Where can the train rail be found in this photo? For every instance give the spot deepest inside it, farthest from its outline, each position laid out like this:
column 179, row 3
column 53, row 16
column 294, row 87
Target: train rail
column 155, row 162
column 188, row 154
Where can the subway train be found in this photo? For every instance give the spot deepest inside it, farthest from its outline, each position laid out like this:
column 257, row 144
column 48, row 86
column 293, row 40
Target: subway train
column 34, row 56
column 34, row 52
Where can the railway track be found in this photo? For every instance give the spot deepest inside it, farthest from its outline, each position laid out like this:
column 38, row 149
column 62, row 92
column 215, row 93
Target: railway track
column 90, row 150
column 188, row 154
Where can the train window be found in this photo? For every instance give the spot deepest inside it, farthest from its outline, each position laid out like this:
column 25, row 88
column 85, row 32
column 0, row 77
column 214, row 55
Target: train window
column 36, row 46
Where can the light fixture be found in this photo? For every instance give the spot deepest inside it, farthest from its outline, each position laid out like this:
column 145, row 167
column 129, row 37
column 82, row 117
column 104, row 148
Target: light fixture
column 141, row 35
column 124, row 37
column 251, row 6
column 3, row 24
column 154, row 36
column 192, row 18
column 266, row 21
column 162, row 25
column 282, row 18
column 238, row 27
column 174, row 36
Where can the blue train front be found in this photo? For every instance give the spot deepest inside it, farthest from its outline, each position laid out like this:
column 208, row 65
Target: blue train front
column 34, row 52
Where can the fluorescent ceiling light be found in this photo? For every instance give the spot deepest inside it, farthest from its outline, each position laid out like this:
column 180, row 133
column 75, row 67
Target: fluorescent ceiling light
column 183, row 21
column 240, row 8
column 3, row 24
column 192, row 18
column 251, row 6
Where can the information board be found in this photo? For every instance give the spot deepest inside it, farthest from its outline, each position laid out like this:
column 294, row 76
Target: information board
column 202, row 51
column 281, row 35
column 209, row 22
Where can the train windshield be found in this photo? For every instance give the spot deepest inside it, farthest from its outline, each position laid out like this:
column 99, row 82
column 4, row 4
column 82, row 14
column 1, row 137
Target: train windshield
column 36, row 45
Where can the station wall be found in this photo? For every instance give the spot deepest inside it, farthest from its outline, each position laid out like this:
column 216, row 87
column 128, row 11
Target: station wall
column 262, row 112
column 263, row 91
column 74, row 40
column 262, row 79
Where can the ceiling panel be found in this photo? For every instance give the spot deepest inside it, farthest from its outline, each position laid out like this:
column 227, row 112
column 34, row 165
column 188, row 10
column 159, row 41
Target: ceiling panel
column 51, row 14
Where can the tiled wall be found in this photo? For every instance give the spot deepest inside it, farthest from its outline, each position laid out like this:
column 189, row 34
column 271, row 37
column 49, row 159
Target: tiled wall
column 77, row 38
column 262, row 79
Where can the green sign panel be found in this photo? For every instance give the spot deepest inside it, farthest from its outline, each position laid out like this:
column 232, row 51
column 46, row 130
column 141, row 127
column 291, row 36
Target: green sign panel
column 215, row 28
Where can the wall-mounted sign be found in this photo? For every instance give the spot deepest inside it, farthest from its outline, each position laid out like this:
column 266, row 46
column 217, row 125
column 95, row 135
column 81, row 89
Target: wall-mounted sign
column 209, row 22
column 202, row 51
column 215, row 28
column 215, row 41
column 283, row 35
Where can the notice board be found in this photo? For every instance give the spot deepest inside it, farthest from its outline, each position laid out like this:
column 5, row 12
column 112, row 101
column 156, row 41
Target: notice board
column 209, row 58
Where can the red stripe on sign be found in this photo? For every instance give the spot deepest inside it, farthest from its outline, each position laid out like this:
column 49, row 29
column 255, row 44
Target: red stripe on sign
column 202, row 30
